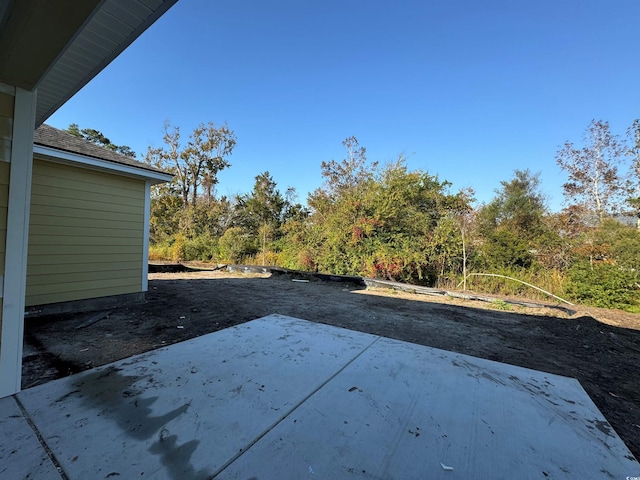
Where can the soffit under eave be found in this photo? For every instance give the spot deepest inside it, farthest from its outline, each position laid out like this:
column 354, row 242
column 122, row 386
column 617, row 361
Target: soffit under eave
column 112, row 28
column 33, row 33
column 76, row 45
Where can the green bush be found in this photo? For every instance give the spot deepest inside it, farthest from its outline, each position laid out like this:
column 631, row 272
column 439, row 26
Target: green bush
column 234, row 245
column 603, row 285
column 160, row 251
column 202, row 247
column 177, row 249
column 505, row 249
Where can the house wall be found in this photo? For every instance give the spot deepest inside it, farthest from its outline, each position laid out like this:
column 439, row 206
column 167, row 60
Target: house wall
column 4, row 202
column 86, row 236
column 6, row 121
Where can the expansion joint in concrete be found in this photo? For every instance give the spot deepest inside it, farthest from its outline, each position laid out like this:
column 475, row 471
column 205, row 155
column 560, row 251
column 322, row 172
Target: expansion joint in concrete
column 292, row 409
column 43, row 443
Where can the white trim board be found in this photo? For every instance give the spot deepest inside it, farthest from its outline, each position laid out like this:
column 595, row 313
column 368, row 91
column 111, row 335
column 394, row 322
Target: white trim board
column 145, row 238
column 17, row 242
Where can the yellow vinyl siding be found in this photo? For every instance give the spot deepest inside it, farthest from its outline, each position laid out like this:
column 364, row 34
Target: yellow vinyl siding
column 6, row 127
column 88, row 285
column 4, row 202
column 50, row 175
column 131, row 222
column 82, row 201
column 88, row 278
column 86, row 234
column 7, row 103
column 61, row 213
column 101, row 251
column 79, row 269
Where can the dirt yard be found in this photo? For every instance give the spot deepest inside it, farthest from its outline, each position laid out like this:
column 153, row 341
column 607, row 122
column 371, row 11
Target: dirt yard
column 598, row 347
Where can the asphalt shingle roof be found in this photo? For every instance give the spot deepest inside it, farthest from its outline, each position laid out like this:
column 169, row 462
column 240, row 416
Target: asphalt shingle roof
column 48, row 136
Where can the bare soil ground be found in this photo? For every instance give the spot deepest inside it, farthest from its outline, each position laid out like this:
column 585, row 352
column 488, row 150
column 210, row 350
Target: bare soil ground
column 600, row 348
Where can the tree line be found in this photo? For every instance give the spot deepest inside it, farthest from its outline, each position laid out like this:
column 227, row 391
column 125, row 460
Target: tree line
column 388, row 221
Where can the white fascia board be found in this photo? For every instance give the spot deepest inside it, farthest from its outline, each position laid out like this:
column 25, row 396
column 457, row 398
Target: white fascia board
column 145, row 236
column 61, row 156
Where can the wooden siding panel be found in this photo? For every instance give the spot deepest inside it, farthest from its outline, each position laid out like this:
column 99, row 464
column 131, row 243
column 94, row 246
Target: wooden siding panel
column 86, row 234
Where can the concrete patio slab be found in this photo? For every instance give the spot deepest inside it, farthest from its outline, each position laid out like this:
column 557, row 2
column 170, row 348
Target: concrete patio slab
column 188, row 410
column 282, row 398
column 21, row 454
column 409, row 412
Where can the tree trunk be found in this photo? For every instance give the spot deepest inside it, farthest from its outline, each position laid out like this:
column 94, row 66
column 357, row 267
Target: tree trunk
column 464, row 263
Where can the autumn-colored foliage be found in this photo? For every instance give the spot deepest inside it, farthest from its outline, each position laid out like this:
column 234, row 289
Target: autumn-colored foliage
column 390, row 222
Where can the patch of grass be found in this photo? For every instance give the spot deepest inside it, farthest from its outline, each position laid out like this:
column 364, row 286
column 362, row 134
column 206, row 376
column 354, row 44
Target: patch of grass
column 632, row 309
column 159, row 252
column 501, row 304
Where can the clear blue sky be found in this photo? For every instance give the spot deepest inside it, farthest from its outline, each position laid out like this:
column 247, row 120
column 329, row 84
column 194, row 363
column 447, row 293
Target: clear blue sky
column 469, row 90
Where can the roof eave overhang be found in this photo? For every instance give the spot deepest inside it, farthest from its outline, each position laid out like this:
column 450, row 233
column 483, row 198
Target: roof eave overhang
column 109, row 31
column 58, row 46
column 74, row 159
